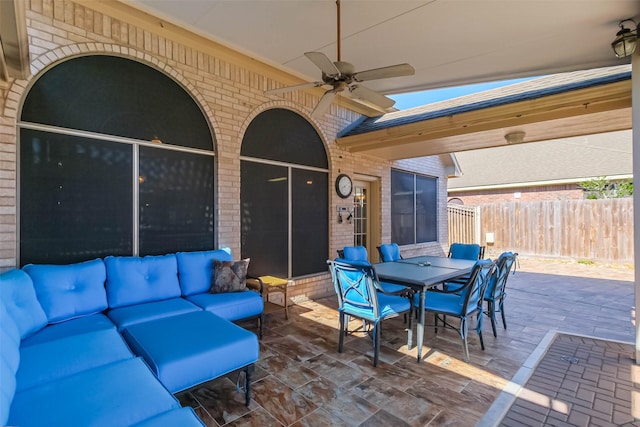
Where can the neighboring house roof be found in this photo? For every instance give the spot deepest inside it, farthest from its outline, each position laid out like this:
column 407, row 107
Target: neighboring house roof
column 532, row 89
column 546, row 162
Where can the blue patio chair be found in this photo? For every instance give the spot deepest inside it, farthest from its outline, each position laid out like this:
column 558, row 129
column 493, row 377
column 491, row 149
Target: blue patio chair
column 359, row 253
column 360, row 296
column 355, row 253
column 462, row 303
column 495, row 293
column 389, row 252
column 469, row 251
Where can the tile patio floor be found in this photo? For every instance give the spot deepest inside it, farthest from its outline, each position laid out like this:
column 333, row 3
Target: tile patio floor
column 302, row 380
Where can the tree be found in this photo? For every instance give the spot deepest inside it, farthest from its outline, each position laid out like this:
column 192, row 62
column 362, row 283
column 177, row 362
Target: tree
column 603, row 188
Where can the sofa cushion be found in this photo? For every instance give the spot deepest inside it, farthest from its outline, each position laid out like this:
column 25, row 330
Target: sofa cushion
column 183, row 417
column 69, row 291
column 195, row 269
column 232, row 305
column 121, row 393
column 135, row 280
column 7, row 390
column 19, row 298
column 81, row 325
column 229, row 276
column 192, row 348
column 9, row 362
column 130, row 315
column 51, row 360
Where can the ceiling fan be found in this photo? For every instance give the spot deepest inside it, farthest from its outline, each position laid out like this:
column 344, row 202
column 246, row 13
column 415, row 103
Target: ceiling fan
column 343, row 78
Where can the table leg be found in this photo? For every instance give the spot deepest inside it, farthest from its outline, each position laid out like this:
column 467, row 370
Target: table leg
column 420, row 328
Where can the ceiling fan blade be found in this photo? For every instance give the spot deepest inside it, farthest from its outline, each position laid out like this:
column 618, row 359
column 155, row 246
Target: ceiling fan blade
column 361, row 92
column 323, row 104
column 286, row 89
column 324, row 63
column 385, row 72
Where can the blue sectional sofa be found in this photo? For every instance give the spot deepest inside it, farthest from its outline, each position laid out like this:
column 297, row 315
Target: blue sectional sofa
column 107, row 342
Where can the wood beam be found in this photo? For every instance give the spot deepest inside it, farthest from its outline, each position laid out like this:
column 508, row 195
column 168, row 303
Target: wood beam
column 591, row 100
column 14, row 40
column 608, row 121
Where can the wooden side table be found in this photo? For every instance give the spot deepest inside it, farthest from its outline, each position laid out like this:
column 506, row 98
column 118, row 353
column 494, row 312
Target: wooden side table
column 271, row 285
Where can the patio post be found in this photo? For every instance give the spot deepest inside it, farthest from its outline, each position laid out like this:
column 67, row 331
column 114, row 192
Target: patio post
column 635, row 124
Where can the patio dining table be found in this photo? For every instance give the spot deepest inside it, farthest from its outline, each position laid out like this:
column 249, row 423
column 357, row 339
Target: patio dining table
column 422, row 273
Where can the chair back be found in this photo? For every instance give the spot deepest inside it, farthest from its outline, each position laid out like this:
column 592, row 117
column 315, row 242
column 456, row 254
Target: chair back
column 355, row 286
column 498, row 281
column 389, row 252
column 471, row 294
column 470, row 251
column 355, row 253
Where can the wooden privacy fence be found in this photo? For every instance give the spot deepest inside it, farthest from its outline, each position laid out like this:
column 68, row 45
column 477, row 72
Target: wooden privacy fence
column 464, row 224
column 598, row 230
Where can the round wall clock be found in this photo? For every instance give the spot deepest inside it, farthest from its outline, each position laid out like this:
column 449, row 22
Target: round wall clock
column 344, row 185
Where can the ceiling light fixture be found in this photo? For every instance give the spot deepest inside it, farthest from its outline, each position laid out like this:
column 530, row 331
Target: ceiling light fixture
column 626, row 40
column 515, row 137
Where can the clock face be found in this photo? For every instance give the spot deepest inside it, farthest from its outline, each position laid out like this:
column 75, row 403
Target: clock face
column 344, row 186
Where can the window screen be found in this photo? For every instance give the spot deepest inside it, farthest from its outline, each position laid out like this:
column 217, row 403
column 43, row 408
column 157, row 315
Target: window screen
column 310, row 222
column 117, row 96
column 75, row 198
column 414, row 208
column 79, row 195
column 284, row 196
column 265, row 218
column 176, row 201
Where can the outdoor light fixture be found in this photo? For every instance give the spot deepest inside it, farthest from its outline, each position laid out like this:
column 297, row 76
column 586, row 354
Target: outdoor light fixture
column 626, row 39
column 515, row 137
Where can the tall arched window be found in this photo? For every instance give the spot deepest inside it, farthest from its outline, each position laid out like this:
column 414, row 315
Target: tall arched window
column 284, row 196
column 115, row 159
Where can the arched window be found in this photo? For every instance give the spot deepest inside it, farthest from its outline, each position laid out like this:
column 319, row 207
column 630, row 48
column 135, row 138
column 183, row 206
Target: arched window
column 284, row 196
column 115, row 159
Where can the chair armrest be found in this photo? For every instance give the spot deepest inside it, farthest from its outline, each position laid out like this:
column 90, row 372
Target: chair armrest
column 261, row 290
column 450, row 291
column 406, row 292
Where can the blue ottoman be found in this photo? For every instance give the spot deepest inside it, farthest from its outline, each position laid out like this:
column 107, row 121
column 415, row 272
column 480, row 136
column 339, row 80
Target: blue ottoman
column 189, row 349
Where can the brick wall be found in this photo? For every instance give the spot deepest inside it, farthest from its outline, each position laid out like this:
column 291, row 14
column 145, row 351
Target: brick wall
column 230, row 96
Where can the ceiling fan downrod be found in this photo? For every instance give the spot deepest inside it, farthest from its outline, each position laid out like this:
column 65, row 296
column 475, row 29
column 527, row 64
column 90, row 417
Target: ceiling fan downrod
column 338, row 26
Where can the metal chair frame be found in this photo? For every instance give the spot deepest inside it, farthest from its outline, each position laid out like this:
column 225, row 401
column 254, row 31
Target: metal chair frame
column 357, row 287
column 495, row 294
column 471, row 292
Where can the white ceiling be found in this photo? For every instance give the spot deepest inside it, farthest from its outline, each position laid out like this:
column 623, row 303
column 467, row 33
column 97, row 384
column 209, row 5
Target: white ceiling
column 449, row 42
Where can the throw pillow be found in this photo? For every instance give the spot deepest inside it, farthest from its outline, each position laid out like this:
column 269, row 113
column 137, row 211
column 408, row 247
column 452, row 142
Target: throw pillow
column 229, row 276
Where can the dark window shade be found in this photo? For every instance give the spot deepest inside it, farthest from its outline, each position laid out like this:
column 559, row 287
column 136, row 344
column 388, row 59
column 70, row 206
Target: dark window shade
column 310, row 222
column 117, row 96
column 264, row 218
column 266, row 197
column 402, row 208
column 414, row 208
column 75, row 198
column 77, row 194
column 426, row 209
column 176, row 201
column 284, row 136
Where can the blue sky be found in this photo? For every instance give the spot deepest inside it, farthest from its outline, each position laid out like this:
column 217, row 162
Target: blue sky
column 415, row 99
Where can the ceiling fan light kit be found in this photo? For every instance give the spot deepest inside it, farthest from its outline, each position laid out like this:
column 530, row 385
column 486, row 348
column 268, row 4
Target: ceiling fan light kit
column 343, row 78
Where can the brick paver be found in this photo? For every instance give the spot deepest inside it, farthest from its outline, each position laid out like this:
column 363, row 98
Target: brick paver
column 583, row 382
